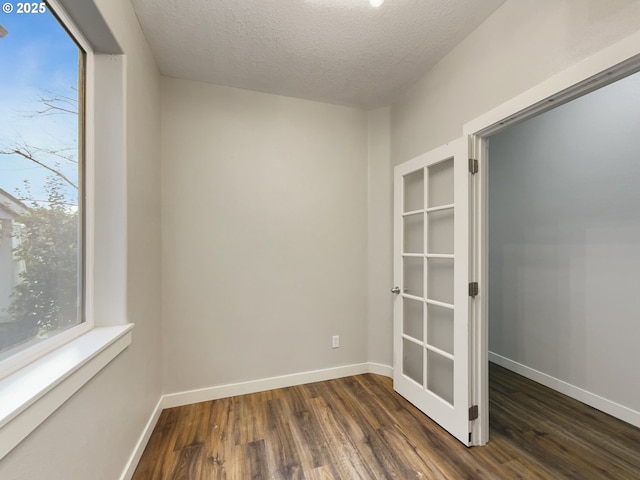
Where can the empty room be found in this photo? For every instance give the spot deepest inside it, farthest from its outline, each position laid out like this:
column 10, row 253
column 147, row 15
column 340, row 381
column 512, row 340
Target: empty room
column 311, row 239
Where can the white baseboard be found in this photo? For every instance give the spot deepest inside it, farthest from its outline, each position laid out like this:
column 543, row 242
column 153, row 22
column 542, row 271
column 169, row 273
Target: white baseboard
column 223, row 391
column 612, row 408
column 130, row 468
column 380, row 369
column 253, row 386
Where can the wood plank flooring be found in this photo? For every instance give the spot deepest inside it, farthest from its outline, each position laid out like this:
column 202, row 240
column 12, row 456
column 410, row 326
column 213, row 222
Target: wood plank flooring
column 359, row 428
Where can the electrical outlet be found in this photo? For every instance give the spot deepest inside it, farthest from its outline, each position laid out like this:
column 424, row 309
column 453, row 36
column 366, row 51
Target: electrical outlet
column 335, row 341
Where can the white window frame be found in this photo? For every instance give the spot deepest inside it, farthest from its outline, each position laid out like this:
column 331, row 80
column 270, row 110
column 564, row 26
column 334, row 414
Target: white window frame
column 85, row 141
column 34, row 383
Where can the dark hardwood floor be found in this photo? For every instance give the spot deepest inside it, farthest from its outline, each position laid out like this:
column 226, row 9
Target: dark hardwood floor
column 359, row 428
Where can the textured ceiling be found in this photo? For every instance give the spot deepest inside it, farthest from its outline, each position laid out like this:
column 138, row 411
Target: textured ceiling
column 337, row 51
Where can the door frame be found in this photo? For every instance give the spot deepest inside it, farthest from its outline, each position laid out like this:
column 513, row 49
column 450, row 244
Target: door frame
column 605, row 67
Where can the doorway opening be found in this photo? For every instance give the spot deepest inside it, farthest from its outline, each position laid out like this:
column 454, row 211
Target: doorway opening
column 557, row 231
column 564, row 231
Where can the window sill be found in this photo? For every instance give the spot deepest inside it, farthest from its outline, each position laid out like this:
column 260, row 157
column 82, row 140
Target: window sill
column 30, row 395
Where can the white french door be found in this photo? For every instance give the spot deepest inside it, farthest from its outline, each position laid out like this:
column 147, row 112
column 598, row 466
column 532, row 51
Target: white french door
column 433, row 293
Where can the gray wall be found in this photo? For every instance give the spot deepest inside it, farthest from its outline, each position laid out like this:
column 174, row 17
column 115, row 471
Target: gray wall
column 264, row 209
column 379, row 238
column 94, row 433
column 564, row 237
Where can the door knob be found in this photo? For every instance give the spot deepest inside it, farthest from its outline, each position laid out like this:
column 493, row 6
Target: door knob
column 395, row 290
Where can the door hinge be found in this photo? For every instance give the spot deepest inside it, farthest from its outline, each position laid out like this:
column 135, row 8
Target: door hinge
column 473, row 412
column 473, row 289
column 473, row 165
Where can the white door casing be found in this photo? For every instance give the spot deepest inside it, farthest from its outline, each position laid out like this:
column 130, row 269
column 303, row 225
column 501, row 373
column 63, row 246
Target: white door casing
column 604, row 67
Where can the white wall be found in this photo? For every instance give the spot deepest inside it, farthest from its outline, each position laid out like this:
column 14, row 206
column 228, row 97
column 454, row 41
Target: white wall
column 94, row 433
column 264, row 209
column 523, row 43
column 564, row 232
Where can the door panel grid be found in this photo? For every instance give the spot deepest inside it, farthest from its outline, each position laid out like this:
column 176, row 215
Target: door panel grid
column 435, row 238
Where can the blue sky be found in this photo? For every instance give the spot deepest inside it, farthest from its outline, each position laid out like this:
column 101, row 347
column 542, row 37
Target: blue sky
column 37, row 59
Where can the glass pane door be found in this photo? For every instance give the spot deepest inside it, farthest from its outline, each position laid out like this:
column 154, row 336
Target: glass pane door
column 431, row 269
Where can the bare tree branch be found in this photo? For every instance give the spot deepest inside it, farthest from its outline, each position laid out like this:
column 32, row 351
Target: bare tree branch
column 57, row 105
column 53, row 109
column 25, row 153
column 59, row 153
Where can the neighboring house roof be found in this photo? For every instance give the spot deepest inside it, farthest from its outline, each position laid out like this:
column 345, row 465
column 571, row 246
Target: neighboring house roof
column 11, row 205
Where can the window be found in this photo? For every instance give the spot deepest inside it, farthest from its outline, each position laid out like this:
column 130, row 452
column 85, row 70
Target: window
column 42, row 211
column 65, row 104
